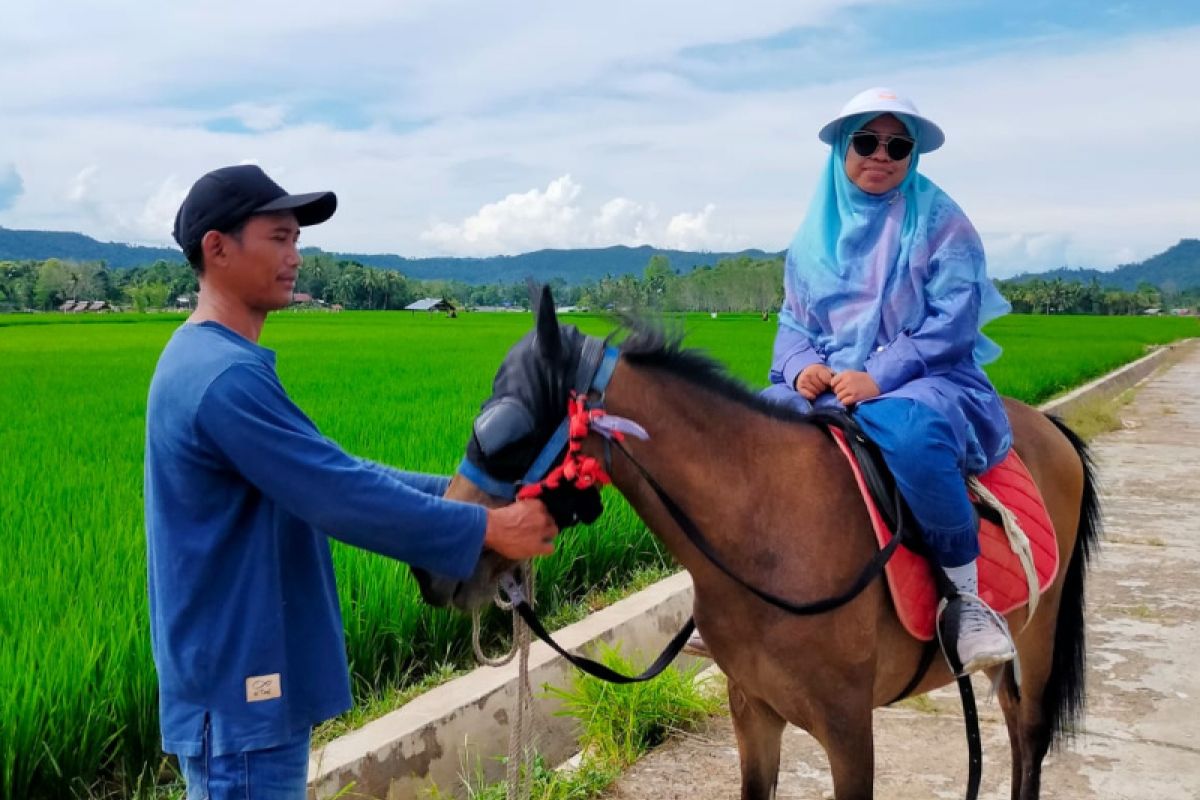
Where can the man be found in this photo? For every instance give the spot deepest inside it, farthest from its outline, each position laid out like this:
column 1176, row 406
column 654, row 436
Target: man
column 241, row 493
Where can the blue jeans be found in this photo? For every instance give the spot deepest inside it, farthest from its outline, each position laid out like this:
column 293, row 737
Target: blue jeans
column 277, row 773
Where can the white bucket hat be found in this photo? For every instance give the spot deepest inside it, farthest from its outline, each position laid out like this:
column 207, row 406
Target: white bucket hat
column 885, row 101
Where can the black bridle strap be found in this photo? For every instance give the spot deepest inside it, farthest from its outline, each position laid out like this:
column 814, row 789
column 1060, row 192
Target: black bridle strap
column 594, row 668
column 870, row 572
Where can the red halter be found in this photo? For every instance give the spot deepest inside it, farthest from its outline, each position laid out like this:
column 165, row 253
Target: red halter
column 577, row 469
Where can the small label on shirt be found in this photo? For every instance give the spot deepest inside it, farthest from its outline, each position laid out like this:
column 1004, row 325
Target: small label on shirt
column 263, row 687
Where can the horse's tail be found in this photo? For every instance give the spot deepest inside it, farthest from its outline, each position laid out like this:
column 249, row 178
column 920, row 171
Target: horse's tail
column 1063, row 698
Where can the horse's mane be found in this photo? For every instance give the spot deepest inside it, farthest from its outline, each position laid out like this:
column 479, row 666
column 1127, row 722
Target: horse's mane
column 649, row 342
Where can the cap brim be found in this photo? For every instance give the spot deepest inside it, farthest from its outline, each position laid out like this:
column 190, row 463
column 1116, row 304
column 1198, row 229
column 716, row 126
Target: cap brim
column 312, row 208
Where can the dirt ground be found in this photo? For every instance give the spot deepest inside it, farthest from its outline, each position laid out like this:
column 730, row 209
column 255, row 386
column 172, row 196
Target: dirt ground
column 1141, row 736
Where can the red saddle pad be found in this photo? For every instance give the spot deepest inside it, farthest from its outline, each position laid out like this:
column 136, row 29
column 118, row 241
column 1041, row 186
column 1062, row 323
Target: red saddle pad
column 1002, row 582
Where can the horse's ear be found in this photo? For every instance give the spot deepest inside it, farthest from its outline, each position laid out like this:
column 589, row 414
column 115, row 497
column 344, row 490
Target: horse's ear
column 549, row 338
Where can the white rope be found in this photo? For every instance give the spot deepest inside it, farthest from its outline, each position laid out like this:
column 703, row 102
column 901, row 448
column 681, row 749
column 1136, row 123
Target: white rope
column 519, row 767
column 520, row 739
column 1017, row 540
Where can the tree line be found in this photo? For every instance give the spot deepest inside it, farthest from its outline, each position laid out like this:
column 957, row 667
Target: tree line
column 742, row 283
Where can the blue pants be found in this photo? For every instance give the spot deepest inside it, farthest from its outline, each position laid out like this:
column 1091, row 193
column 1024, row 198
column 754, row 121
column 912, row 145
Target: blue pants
column 277, row 773
column 922, row 452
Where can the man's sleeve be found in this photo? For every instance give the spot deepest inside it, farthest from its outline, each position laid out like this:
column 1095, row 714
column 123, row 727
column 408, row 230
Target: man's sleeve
column 423, row 482
column 252, row 423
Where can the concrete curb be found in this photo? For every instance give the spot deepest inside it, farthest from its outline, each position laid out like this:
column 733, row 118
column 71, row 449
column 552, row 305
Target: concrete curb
column 462, row 727
column 1109, row 386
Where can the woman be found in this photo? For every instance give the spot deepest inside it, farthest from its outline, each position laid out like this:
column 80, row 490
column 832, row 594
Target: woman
column 885, row 293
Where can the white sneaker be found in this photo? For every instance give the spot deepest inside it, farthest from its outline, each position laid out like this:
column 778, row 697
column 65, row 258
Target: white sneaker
column 983, row 637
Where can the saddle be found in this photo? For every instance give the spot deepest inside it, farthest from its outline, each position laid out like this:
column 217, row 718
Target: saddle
column 1004, row 583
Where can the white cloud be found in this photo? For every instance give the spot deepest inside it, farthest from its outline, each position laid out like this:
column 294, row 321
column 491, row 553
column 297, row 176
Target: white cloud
column 526, row 221
column 11, row 185
column 694, row 232
column 80, row 188
column 1036, row 251
column 448, row 117
column 157, row 217
column 555, row 217
column 259, row 116
column 623, row 221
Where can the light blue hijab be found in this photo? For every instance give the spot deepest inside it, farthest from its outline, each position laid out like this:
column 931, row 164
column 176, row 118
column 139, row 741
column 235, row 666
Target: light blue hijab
column 864, row 269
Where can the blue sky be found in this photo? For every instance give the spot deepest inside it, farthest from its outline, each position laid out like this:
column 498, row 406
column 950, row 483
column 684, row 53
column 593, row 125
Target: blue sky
column 480, row 128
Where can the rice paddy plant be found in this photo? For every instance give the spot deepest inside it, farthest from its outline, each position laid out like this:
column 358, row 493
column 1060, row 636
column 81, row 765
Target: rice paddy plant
column 78, row 711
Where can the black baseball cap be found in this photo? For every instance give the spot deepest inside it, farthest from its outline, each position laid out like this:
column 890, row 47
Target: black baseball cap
column 227, row 197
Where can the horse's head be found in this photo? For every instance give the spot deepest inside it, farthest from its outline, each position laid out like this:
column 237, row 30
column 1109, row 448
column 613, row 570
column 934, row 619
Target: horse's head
column 528, row 403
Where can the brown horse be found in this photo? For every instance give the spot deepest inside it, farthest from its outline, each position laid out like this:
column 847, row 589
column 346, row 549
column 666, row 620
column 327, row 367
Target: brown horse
column 775, row 498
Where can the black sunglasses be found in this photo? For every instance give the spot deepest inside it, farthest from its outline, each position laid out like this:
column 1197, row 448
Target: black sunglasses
column 865, row 143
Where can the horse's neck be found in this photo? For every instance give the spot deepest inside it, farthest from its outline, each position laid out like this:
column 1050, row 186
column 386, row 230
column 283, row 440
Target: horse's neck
column 735, row 471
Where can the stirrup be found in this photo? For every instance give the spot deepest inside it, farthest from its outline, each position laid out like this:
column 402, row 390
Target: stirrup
column 945, row 635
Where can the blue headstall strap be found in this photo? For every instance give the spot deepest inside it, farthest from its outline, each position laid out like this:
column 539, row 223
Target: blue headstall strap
column 493, row 486
column 596, row 365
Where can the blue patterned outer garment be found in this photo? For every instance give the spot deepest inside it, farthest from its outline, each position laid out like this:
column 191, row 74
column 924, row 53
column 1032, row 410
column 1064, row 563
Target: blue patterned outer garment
column 895, row 285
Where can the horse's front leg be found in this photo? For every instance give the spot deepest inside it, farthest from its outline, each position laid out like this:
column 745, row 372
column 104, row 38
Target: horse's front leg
column 844, row 729
column 759, row 733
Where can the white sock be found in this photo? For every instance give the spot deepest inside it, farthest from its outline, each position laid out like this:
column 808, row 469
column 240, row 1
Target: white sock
column 965, row 578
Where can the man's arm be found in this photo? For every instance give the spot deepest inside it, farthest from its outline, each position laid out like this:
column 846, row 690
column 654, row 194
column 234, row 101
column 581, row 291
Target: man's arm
column 435, row 485
column 255, row 427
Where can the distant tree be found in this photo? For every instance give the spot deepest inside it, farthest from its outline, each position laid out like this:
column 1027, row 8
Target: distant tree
column 152, row 294
column 656, row 279
column 55, row 284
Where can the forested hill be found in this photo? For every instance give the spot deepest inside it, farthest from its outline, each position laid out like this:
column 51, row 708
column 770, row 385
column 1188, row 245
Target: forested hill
column 573, row 266
column 67, row 246
column 1175, row 269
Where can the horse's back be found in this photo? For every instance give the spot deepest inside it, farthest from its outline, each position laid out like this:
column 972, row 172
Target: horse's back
column 1055, row 465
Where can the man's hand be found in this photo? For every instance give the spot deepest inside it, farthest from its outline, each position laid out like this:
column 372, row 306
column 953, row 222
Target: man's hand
column 853, row 387
column 519, row 531
column 813, row 380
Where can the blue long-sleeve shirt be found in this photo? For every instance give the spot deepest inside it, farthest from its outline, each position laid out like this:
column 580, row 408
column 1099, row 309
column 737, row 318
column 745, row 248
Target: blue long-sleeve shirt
column 932, row 364
column 241, row 491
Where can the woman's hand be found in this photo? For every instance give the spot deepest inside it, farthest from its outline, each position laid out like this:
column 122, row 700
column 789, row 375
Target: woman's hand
column 813, row 380
column 853, row 387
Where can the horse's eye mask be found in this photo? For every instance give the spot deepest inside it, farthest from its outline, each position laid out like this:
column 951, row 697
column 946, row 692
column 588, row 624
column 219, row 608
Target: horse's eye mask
column 501, row 424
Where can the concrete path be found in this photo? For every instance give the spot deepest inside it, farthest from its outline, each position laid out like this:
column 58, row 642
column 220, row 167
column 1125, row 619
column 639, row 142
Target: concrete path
column 1141, row 735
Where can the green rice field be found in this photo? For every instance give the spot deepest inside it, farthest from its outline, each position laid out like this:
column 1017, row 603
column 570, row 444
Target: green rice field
column 77, row 685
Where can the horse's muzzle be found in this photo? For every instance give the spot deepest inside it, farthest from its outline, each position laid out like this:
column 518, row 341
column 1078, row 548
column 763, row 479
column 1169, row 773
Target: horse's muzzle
column 436, row 590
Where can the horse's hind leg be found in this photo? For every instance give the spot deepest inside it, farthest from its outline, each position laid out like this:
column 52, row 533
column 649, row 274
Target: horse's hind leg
column 1010, row 703
column 1030, row 732
column 759, row 731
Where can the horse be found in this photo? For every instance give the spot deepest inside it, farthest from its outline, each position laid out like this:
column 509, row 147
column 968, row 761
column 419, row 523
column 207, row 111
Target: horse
column 773, row 495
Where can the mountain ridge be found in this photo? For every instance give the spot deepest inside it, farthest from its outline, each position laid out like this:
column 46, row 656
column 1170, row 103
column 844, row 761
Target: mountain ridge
column 1176, row 268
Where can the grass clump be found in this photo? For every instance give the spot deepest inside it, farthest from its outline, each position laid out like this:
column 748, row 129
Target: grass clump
column 621, row 722
column 618, row 724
